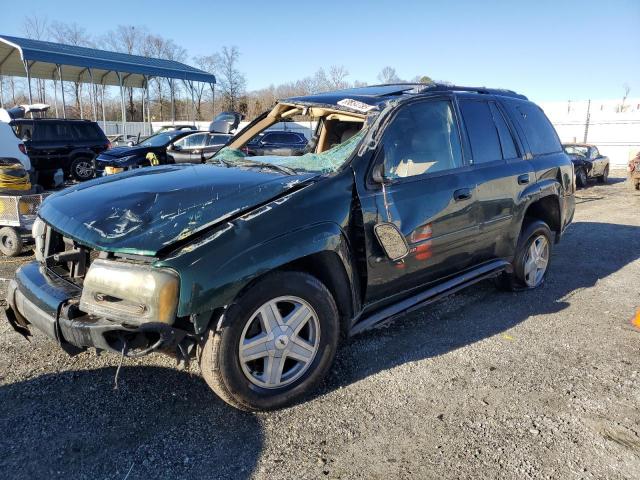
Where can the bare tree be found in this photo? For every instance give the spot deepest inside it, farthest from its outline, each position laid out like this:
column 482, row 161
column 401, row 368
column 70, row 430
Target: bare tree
column 388, row 75
column 337, row 76
column 422, row 79
column 72, row 34
column 37, row 28
column 232, row 81
column 127, row 39
column 627, row 89
column 211, row 64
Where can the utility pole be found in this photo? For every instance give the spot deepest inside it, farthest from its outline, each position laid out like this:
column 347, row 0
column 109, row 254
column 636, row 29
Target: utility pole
column 586, row 125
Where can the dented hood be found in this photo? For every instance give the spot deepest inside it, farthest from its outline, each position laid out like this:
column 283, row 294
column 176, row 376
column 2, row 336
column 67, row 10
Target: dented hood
column 147, row 209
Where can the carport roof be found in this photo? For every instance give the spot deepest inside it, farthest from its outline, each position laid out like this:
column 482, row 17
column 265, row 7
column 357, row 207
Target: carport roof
column 43, row 57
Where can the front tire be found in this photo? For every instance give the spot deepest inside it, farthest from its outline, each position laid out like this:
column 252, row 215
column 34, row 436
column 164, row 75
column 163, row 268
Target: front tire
column 277, row 341
column 531, row 261
column 81, row 169
column 605, row 175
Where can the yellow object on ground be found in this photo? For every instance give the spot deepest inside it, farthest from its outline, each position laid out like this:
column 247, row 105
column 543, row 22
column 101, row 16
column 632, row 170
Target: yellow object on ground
column 14, row 177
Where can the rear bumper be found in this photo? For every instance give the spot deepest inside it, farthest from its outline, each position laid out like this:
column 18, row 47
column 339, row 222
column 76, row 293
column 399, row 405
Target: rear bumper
column 38, row 300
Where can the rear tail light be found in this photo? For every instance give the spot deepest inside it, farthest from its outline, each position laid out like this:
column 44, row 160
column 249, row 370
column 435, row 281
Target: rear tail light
column 22, row 148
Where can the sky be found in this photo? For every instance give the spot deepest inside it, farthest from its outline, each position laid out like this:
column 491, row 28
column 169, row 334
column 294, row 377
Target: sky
column 547, row 50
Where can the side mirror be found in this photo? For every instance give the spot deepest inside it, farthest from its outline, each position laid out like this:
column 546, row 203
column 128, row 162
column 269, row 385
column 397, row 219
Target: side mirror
column 378, row 175
column 392, row 241
column 130, row 144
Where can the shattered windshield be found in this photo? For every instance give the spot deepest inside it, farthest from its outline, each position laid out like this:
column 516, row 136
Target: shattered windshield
column 325, row 162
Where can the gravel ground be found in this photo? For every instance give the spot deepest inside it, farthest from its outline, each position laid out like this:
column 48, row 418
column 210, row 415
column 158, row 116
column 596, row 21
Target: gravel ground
column 540, row 384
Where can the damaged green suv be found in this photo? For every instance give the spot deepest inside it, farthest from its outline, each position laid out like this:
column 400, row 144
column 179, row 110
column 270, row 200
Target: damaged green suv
column 259, row 266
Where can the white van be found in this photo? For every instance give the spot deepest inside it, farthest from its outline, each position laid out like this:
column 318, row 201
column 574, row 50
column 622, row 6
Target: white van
column 12, row 147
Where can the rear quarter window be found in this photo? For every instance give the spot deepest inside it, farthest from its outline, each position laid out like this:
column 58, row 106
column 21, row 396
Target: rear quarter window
column 540, row 134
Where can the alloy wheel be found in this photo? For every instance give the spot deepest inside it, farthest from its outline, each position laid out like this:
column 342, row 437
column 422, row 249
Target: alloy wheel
column 536, row 261
column 279, row 342
column 84, row 169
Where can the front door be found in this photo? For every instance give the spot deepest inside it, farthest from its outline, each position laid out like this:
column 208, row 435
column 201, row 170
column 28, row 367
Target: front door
column 430, row 196
column 188, row 149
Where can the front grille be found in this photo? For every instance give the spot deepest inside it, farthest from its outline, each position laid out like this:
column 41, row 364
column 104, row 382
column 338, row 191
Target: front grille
column 67, row 258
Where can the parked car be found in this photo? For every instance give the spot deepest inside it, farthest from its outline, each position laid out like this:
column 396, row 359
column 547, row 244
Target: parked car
column 53, row 144
column 171, row 128
column 259, row 267
column 119, row 159
column 277, row 142
column 11, row 147
column 588, row 163
column 123, row 140
column 196, row 147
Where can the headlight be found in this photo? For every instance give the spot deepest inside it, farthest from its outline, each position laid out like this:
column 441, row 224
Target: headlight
column 38, row 232
column 130, row 293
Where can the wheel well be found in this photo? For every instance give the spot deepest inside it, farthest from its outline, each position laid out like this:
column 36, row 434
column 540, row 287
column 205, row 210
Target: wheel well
column 546, row 209
column 328, row 268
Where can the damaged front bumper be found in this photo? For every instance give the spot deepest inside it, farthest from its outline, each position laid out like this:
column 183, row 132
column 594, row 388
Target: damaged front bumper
column 50, row 304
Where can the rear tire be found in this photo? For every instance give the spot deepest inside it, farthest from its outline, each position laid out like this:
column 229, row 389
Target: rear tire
column 529, row 271
column 81, row 169
column 240, row 361
column 605, row 175
column 10, row 242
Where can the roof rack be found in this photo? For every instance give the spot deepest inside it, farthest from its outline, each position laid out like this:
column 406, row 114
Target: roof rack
column 441, row 87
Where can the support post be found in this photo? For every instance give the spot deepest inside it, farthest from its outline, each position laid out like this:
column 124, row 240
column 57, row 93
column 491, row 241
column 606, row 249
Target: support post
column 64, row 106
column 104, row 112
column 173, row 102
column 55, row 93
column 122, row 104
column 586, row 123
column 213, row 100
column 146, row 84
column 92, row 91
column 27, row 67
column 1, row 91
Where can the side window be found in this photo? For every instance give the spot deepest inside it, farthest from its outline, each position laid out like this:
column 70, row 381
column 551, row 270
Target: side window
column 218, row 140
column 594, row 153
column 268, row 138
column 483, row 135
column 51, row 132
column 540, row 134
column 198, row 140
column 422, row 138
column 84, row 131
column 506, row 138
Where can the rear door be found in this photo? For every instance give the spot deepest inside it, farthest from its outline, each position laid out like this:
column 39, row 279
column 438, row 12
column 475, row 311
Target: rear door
column 431, row 197
column 502, row 175
column 55, row 142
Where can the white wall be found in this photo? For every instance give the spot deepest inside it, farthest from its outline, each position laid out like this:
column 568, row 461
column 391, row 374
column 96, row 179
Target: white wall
column 615, row 132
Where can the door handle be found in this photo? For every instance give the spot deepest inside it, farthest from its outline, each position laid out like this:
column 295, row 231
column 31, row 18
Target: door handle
column 462, row 194
column 523, row 179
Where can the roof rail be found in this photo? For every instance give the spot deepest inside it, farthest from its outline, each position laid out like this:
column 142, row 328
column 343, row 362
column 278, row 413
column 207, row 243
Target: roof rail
column 441, row 87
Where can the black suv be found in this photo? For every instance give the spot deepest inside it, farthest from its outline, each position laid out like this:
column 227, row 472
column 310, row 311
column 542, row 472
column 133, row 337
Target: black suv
column 277, row 142
column 67, row 144
column 258, row 267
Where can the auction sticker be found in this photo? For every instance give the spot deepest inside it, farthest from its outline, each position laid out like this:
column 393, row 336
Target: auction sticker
column 356, row 105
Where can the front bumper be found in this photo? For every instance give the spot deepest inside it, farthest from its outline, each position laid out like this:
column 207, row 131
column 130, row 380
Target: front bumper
column 49, row 304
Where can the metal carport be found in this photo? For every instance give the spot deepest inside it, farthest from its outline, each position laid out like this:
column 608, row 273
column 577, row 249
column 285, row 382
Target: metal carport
column 23, row 57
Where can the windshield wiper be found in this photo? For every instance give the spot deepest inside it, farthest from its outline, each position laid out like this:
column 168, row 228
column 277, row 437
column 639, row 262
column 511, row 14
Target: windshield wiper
column 255, row 163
